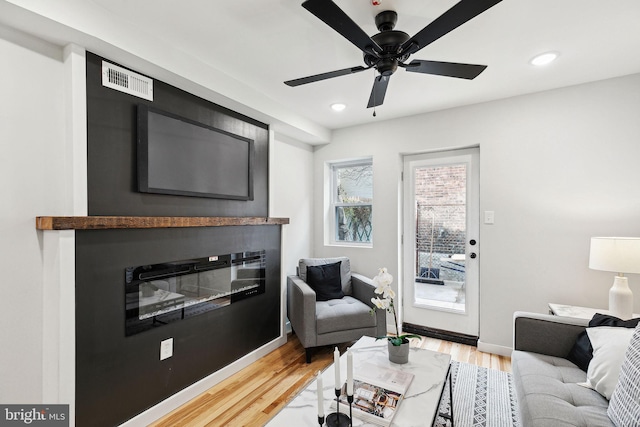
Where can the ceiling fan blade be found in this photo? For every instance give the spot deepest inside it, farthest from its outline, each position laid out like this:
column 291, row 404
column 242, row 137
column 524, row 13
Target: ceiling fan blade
column 449, row 69
column 324, row 76
column 329, row 13
column 379, row 90
column 462, row 12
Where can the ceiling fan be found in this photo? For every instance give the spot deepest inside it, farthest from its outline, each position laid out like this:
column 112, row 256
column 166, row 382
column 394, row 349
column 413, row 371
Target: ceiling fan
column 390, row 49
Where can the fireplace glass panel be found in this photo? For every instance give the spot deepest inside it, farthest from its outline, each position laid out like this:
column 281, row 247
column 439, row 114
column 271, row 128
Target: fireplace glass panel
column 158, row 294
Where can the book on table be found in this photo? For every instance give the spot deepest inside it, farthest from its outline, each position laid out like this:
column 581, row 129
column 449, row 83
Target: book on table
column 377, row 393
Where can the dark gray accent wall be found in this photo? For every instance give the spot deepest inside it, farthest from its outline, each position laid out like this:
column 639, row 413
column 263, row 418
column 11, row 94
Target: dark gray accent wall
column 118, row 377
column 112, row 162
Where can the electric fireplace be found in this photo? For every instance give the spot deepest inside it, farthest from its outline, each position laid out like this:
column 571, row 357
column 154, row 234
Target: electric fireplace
column 158, row 294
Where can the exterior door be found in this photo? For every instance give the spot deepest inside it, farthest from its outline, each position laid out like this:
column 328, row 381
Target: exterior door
column 441, row 244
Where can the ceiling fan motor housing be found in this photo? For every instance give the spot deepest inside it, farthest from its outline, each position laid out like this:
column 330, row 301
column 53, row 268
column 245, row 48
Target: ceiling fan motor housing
column 386, row 20
column 390, row 41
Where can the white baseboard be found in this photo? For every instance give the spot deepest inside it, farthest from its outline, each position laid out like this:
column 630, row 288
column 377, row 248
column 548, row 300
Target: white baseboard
column 494, row 348
column 183, row 396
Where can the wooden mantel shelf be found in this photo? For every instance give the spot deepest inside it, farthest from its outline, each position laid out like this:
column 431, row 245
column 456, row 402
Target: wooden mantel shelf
column 129, row 222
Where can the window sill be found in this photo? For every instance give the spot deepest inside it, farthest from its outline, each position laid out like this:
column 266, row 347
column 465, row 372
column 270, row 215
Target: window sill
column 350, row 245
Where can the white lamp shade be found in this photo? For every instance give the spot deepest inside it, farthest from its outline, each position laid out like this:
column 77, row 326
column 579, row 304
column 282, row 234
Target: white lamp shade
column 615, row 254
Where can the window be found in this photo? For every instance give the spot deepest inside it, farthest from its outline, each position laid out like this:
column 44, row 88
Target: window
column 351, row 202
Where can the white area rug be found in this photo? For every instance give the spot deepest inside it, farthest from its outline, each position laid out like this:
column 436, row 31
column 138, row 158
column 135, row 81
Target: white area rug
column 481, row 397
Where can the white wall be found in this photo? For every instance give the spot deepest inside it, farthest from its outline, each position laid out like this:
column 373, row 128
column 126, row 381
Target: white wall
column 32, row 171
column 291, row 196
column 557, row 167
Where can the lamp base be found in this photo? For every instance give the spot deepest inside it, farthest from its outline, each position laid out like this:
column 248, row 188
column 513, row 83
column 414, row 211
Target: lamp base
column 621, row 299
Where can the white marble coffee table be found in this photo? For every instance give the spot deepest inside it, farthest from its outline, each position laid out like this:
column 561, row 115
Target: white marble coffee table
column 419, row 407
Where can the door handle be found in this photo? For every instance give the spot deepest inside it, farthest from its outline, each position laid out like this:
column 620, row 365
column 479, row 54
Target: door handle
column 472, row 242
column 473, row 255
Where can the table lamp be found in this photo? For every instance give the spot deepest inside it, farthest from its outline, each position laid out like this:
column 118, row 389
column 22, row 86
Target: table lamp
column 619, row 255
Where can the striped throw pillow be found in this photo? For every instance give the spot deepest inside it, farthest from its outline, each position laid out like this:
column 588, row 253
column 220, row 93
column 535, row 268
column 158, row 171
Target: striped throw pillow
column 624, row 407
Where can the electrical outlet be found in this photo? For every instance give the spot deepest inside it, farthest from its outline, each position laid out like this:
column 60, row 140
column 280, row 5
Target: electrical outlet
column 166, row 349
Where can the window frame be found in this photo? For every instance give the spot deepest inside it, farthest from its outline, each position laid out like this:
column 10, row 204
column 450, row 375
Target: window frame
column 334, row 204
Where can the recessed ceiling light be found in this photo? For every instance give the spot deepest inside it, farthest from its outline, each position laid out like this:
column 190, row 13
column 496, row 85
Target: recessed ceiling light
column 544, row 58
column 338, row 107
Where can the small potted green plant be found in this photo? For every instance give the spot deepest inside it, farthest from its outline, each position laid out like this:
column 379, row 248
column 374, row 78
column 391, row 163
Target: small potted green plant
column 398, row 345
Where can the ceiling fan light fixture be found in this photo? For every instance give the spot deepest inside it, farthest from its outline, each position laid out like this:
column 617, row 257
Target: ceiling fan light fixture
column 338, row 106
column 544, row 59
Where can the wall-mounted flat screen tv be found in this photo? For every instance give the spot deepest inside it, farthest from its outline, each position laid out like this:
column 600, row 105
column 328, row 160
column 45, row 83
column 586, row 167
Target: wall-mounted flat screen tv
column 183, row 157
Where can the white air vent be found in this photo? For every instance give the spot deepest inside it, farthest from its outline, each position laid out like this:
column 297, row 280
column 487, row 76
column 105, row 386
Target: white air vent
column 126, row 81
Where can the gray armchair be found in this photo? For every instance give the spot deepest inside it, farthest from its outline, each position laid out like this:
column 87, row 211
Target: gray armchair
column 320, row 323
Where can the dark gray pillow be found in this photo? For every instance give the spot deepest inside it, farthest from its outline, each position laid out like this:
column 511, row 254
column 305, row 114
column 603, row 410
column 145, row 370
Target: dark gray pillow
column 325, row 281
column 582, row 351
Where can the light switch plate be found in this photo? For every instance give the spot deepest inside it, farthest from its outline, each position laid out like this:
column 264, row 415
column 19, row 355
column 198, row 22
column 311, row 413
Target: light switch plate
column 166, row 349
column 489, row 217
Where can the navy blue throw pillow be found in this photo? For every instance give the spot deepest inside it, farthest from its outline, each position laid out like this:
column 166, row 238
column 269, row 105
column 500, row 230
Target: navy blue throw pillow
column 325, row 281
column 582, row 351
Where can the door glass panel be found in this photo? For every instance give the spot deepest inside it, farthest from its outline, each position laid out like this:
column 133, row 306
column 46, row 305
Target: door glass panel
column 440, row 216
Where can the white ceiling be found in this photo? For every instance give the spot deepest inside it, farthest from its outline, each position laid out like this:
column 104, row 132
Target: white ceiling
column 264, row 43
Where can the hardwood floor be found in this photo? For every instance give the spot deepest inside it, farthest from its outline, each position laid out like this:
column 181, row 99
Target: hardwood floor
column 254, row 395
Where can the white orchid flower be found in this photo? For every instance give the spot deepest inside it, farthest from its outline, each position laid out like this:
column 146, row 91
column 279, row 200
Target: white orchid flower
column 381, row 303
column 382, row 280
column 389, row 293
column 383, row 287
column 376, row 281
column 385, row 277
column 383, row 284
